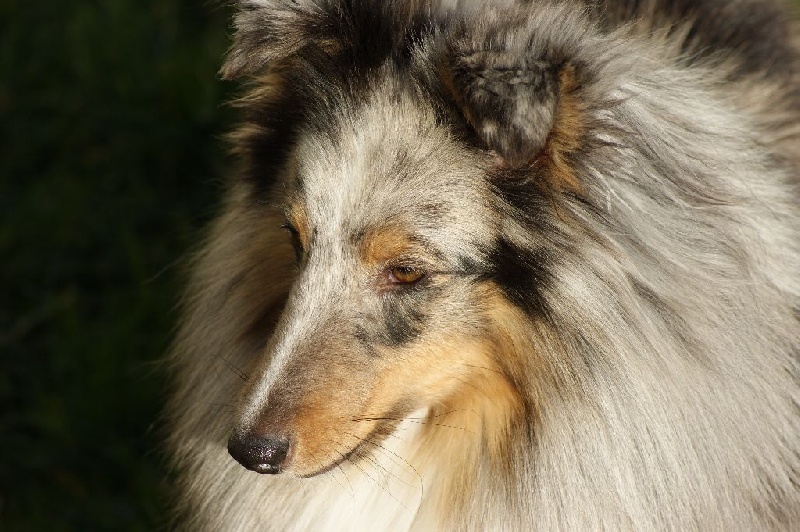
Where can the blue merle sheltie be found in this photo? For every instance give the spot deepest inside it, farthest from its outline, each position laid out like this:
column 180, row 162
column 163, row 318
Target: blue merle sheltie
column 501, row 265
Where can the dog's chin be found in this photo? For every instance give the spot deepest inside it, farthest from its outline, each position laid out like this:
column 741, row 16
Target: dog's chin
column 333, row 465
column 354, row 455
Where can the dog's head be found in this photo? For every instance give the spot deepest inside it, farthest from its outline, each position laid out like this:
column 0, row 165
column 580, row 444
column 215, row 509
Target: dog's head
column 414, row 159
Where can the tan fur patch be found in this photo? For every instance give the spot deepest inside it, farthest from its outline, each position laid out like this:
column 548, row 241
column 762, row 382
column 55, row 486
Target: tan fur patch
column 339, row 411
column 473, row 405
column 565, row 137
column 381, row 245
column 296, row 215
column 323, row 432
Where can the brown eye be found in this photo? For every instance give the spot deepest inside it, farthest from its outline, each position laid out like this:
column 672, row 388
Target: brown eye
column 405, row 275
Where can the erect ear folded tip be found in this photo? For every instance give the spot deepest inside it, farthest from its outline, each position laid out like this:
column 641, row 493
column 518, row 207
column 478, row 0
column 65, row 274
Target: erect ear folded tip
column 510, row 100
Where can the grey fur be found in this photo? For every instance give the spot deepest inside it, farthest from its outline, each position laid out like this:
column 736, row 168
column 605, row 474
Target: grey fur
column 658, row 372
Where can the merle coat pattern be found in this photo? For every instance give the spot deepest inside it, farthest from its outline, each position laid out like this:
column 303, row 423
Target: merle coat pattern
column 500, row 266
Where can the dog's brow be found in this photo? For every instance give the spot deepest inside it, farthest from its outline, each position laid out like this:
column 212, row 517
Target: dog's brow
column 380, row 244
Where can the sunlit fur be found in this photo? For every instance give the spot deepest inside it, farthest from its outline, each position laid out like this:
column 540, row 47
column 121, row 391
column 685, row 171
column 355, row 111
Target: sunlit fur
column 602, row 202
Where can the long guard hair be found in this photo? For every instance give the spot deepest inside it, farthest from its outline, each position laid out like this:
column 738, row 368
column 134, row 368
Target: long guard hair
column 500, row 266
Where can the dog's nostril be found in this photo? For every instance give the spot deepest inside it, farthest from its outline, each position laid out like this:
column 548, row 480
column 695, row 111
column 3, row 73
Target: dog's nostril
column 262, row 454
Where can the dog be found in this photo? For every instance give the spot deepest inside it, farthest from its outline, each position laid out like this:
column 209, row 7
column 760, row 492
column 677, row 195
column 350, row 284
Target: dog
column 500, row 266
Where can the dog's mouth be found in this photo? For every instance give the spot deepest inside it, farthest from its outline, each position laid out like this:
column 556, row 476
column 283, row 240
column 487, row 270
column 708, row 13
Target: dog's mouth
column 383, row 428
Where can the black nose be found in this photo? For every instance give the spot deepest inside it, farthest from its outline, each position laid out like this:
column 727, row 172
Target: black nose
column 262, row 454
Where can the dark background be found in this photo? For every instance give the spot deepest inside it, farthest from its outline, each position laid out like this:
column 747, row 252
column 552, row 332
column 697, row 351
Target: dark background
column 111, row 163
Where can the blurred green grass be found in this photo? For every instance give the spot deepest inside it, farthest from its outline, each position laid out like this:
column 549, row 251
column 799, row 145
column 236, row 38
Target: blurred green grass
column 110, row 158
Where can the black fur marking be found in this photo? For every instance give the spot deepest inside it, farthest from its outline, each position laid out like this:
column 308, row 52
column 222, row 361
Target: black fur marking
column 267, row 151
column 525, row 193
column 365, row 339
column 402, row 325
column 403, row 321
column 522, row 274
column 403, row 316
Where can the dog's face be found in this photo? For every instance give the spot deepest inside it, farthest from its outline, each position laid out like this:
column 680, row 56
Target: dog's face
column 402, row 189
column 539, row 227
column 392, row 224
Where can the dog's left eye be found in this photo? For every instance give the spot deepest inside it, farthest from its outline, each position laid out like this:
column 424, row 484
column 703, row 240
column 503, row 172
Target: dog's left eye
column 404, row 275
column 296, row 242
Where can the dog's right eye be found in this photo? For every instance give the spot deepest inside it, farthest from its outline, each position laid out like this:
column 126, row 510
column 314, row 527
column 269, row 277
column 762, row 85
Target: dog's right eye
column 296, row 243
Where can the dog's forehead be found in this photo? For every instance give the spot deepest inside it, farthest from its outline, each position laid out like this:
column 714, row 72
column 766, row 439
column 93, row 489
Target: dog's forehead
column 388, row 160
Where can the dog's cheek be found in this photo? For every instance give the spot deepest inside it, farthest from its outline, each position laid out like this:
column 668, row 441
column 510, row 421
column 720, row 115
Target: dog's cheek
column 404, row 318
column 428, row 369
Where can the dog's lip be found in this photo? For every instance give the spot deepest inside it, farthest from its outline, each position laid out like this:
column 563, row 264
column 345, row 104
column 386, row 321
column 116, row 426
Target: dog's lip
column 345, row 456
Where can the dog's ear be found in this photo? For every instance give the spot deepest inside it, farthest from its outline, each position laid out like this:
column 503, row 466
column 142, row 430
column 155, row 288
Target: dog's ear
column 271, row 30
column 510, row 100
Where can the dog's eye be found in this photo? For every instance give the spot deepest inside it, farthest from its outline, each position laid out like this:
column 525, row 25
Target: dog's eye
column 405, row 275
column 296, row 243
